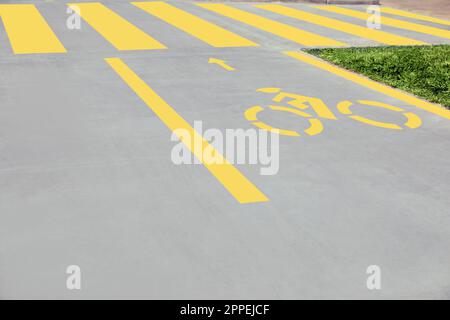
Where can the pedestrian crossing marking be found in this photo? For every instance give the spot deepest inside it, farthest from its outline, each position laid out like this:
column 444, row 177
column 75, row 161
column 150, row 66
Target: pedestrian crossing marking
column 388, row 21
column 27, row 30
column 116, row 30
column 363, row 32
column 272, row 26
column 416, row 16
column 242, row 189
column 193, row 25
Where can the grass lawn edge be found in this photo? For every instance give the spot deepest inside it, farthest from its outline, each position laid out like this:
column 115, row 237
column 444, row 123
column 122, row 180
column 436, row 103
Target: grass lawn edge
column 411, row 74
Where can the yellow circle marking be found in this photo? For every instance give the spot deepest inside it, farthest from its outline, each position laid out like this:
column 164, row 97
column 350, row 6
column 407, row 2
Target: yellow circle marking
column 291, row 110
column 269, row 90
column 315, row 127
column 250, row 113
column 282, row 132
column 413, row 121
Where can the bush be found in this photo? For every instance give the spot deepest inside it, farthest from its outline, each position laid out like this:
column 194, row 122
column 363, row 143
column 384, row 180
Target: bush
column 421, row 70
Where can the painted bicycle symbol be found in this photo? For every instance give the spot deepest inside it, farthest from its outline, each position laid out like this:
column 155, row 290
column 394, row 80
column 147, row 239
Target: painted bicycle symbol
column 297, row 104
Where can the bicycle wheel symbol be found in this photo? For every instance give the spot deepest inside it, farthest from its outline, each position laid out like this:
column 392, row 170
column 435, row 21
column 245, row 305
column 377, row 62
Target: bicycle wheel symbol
column 412, row 120
column 315, row 127
column 298, row 103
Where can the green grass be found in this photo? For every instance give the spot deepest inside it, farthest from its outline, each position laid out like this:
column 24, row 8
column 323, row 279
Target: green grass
column 423, row 70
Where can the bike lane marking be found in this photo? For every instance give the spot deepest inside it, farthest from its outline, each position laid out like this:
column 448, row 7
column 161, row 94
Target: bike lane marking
column 243, row 190
column 366, row 82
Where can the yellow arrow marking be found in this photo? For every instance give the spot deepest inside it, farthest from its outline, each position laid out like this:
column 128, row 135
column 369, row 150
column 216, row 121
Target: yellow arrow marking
column 221, row 63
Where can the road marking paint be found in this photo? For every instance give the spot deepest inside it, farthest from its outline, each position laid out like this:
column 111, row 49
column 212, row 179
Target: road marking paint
column 269, row 90
column 344, row 108
column 413, row 121
column 363, row 32
column 416, row 16
column 315, row 127
column 195, row 26
column 363, row 81
column 388, row 21
column 277, row 28
column 269, row 128
column 27, row 30
column 231, row 178
column 119, row 32
column 301, row 102
column 380, row 105
column 250, row 114
column 221, row 63
column 291, row 110
column 375, row 123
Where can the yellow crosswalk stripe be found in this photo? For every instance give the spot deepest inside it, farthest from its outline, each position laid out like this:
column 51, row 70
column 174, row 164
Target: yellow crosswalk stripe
column 197, row 27
column 243, row 190
column 119, row 32
column 271, row 26
column 389, row 21
column 372, row 34
column 416, row 16
column 27, row 30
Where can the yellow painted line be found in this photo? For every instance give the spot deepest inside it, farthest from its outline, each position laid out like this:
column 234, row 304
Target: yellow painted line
column 277, row 28
column 291, row 110
column 375, row 123
column 269, row 128
column 389, row 21
column 413, row 120
column 195, row 26
column 27, row 30
column 250, row 114
column 380, row 105
column 230, row 177
column 119, row 32
column 363, row 32
column 416, row 16
column 315, row 128
column 363, row 81
column 221, row 63
column 344, row 108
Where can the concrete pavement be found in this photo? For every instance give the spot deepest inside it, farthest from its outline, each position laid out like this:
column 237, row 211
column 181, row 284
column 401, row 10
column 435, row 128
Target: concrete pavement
column 86, row 176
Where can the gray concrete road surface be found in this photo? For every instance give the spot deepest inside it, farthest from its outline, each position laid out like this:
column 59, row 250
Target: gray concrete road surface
column 87, row 178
